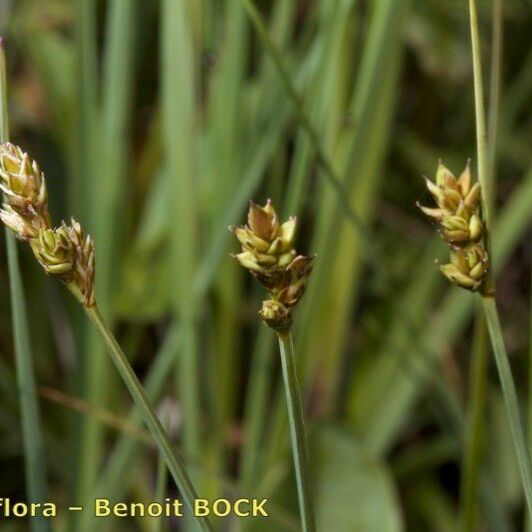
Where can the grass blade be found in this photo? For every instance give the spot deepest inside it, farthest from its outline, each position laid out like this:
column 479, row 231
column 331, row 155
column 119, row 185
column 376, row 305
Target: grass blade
column 510, row 396
column 90, row 431
column 329, row 171
column 488, row 299
column 178, row 103
column 479, row 360
column 34, row 456
column 297, row 432
column 150, row 418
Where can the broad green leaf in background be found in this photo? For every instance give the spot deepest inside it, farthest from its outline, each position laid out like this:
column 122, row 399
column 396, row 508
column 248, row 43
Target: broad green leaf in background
column 354, row 491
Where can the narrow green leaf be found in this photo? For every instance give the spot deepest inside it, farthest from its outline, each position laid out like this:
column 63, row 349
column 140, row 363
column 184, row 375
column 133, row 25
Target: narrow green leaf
column 32, row 438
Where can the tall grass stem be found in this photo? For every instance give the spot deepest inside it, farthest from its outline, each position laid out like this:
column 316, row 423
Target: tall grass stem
column 157, row 431
column 474, row 430
column 480, row 355
column 32, row 439
column 488, row 299
column 510, row 395
column 297, row 432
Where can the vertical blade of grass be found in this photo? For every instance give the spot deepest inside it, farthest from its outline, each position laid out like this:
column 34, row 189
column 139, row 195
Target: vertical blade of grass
column 360, row 154
column 529, row 397
column 329, row 172
column 90, row 431
column 106, row 190
column 510, row 396
column 480, row 354
column 297, row 432
column 34, row 456
column 86, row 90
column 226, row 158
column 158, row 433
column 126, row 450
column 474, row 427
column 160, row 489
column 179, row 105
column 488, row 299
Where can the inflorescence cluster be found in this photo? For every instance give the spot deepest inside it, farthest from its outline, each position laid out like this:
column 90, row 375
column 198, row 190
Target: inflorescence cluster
column 64, row 251
column 460, row 224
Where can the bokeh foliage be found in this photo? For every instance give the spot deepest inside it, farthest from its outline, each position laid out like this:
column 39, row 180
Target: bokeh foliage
column 155, row 123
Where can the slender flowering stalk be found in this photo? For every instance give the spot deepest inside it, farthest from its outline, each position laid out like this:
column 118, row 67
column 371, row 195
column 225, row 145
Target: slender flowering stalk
column 464, row 221
column 460, row 225
column 67, row 253
column 488, row 294
column 268, row 253
column 31, row 432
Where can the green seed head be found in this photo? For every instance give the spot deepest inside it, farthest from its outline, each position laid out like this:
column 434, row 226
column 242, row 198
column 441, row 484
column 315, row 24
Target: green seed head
column 268, row 253
column 275, row 315
column 265, row 242
column 25, row 209
column 468, row 267
column 84, row 266
column 453, row 196
column 54, row 251
column 461, row 226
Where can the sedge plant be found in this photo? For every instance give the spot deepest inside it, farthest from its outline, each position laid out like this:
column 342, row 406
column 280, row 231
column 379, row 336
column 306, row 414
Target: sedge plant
column 268, row 253
column 67, row 253
column 463, row 218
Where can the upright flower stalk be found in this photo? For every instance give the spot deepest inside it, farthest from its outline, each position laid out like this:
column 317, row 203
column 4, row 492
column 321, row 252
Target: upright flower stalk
column 463, row 218
column 268, row 253
column 462, row 224
column 67, row 253
column 30, row 419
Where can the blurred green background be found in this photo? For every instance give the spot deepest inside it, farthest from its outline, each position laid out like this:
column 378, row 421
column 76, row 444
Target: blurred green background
column 155, row 122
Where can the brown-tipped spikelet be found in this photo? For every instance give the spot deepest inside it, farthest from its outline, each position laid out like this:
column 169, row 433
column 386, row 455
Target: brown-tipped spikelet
column 25, row 208
column 458, row 205
column 460, row 225
column 64, row 251
column 468, row 267
column 268, row 253
column 265, row 242
column 275, row 315
column 54, row 251
column 84, row 272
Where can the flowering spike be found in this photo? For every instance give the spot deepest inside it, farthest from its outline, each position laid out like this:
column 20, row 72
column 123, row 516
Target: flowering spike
column 275, row 315
column 268, row 253
column 461, row 226
column 24, row 188
column 54, row 251
column 464, row 181
column 84, row 265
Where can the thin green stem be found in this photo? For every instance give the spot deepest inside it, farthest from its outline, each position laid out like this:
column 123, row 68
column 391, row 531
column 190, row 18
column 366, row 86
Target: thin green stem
column 488, row 301
column 297, row 431
column 480, row 355
column 474, row 429
column 34, row 456
column 529, row 405
column 482, row 138
column 510, row 395
column 160, row 489
column 495, row 96
column 480, row 116
column 178, row 96
column 158, row 433
column 90, row 432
